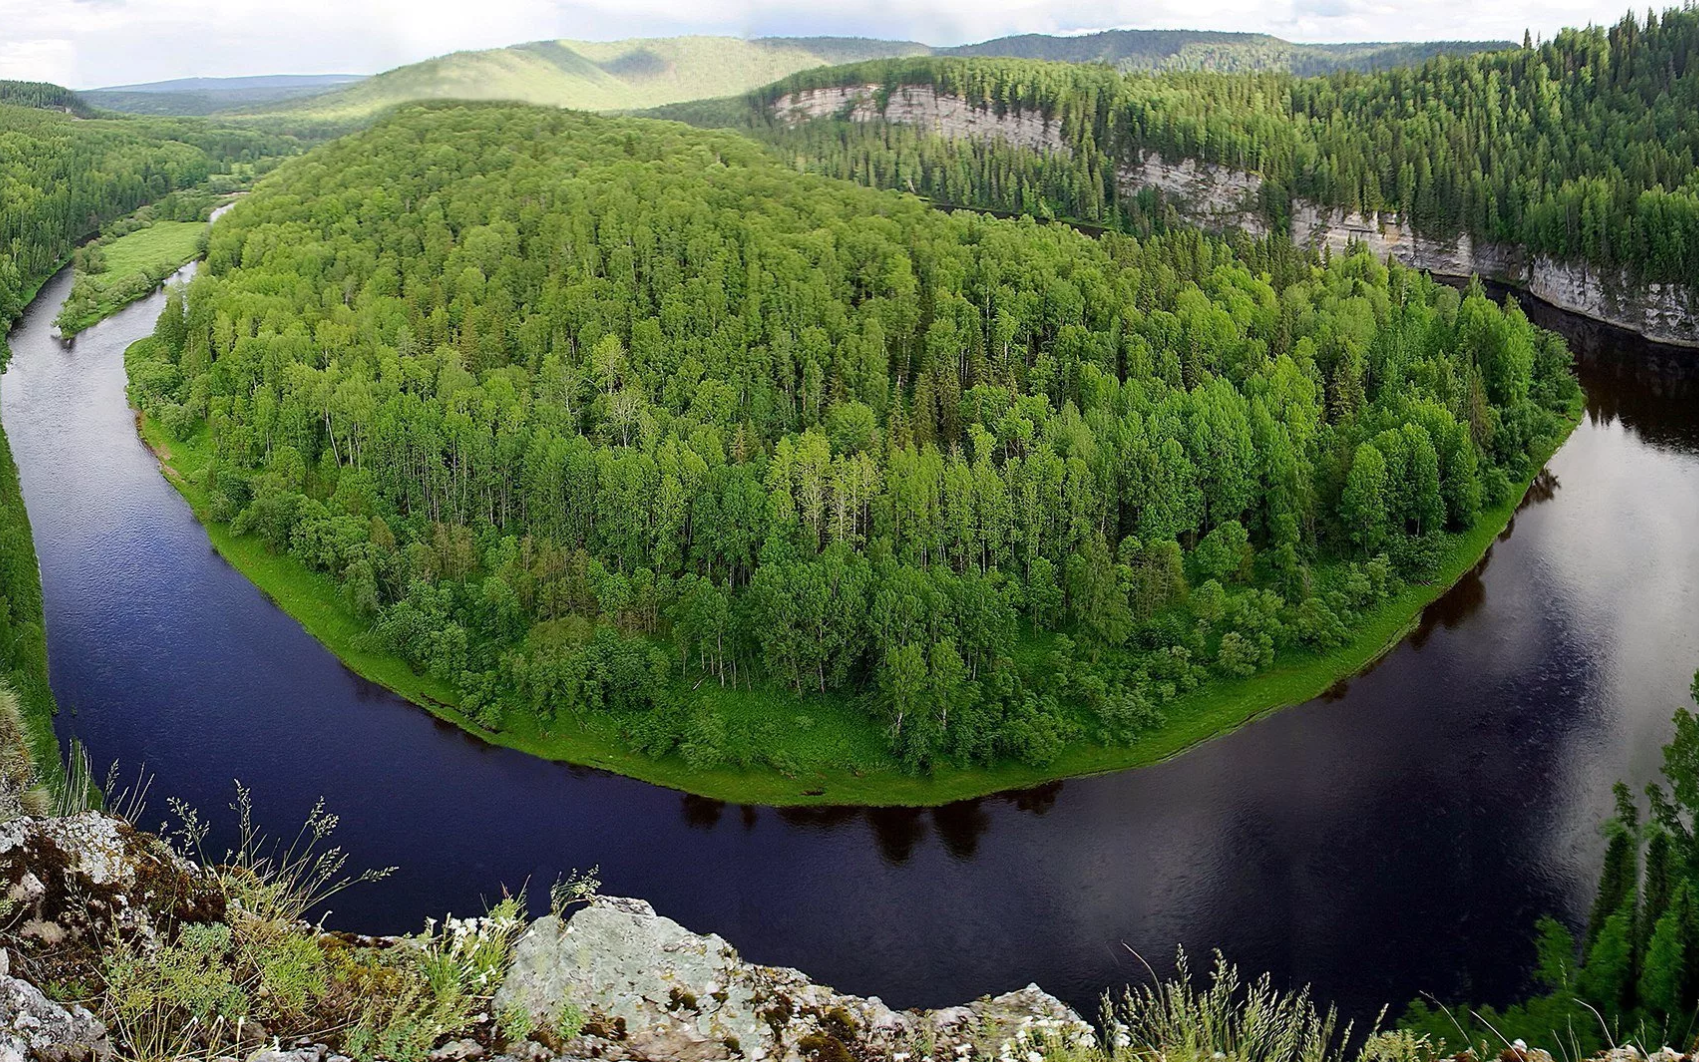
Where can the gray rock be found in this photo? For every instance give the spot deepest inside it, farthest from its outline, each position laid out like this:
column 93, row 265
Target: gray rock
column 309, row 1053
column 34, row 1027
column 83, row 878
column 651, row 989
column 458, row 1051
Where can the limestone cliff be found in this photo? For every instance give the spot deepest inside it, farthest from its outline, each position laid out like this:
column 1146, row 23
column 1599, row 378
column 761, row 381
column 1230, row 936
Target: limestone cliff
column 1218, row 197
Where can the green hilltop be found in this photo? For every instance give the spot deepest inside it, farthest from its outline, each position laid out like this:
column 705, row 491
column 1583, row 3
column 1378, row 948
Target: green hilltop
column 1153, row 50
column 598, row 75
column 644, row 73
column 44, row 96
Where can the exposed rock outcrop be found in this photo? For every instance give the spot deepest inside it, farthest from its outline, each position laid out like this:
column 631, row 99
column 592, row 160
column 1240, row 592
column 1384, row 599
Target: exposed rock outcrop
column 90, row 876
column 34, row 1028
column 651, row 989
column 1212, row 196
column 614, row 981
column 1219, row 197
column 945, row 115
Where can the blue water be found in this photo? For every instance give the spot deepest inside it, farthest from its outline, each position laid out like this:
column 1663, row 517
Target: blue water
column 1398, row 836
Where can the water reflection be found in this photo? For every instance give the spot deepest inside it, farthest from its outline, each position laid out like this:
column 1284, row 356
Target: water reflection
column 1543, row 488
column 897, row 831
column 1400, row 834
column 1454, row 606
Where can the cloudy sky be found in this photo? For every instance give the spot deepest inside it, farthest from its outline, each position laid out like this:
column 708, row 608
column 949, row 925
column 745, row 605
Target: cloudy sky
column 91, row 43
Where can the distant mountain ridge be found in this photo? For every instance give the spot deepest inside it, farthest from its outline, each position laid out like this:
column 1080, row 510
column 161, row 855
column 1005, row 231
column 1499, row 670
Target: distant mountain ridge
column 598, row 75
column 208, row 95
column 236, row 84
column 642, row 73
column 1154, row 50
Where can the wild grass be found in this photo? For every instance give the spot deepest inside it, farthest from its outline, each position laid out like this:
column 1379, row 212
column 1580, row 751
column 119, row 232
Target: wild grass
column 265, row 972
column 23, row 635
column 21, row 793
column 131, row 266
column 272, row 880
column 1227, row 1020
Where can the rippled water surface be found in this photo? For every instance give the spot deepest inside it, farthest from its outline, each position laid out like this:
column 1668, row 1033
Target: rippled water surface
column 1399, row 835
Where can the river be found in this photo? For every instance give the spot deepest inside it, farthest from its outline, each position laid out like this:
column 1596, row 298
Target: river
column 1399, row 835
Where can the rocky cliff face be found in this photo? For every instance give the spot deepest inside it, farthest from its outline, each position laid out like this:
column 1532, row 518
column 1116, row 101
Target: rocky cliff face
column 652, row 989
column 1218, row 197
column 1213, row 196
column 613, row 981
column 947, row 116
column 1661, row 312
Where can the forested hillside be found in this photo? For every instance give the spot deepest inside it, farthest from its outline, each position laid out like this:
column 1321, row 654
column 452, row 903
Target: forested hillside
column 45, row 96
column 650, row 72
column 1150, row 50
column 617, row 424
column 1580, row 148
column 595, row 75
column 60, row 180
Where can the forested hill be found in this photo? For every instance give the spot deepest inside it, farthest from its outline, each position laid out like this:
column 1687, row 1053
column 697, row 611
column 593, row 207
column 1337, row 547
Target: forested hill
column 62, row 177
column 649, row 72
column 621, row 428
column 43, row 95
column 1150, row 50
column 596, row 75
column 1581, row 148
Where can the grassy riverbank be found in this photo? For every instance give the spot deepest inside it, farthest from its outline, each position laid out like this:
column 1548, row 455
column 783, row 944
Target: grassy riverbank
column 23, row 638
column 133, row 265
column 23, row 634
column 826, row 729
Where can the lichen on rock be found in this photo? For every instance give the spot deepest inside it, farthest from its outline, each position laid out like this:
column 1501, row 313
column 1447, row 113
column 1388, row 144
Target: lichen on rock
column 33, row 1027
column 648, row 988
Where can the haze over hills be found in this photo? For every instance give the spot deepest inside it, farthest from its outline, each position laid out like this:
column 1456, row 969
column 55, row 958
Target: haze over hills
column 207, row 95
column 651, row 72
column 1210, row 50
column 600, row 75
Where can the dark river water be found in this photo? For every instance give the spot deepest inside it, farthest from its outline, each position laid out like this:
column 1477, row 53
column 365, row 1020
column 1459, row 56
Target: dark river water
column 1398, row 836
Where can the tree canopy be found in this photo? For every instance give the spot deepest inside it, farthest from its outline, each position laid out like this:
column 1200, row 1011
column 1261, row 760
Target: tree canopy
column 586, row 414
column 1581, row 147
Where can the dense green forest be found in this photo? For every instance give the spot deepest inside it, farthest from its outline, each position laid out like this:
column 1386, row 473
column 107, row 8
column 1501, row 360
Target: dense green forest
column 1633, row 976
column 60, row 180
column 592, row 418
column 1580, row 147
column 41, row 94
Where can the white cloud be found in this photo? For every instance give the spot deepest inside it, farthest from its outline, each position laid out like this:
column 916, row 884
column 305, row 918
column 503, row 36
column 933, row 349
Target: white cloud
column 38, row 60
column 88, row 43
